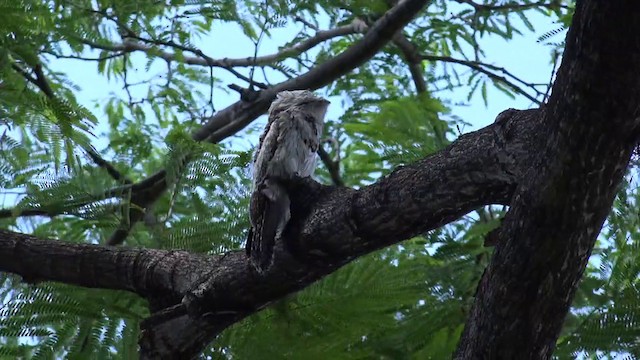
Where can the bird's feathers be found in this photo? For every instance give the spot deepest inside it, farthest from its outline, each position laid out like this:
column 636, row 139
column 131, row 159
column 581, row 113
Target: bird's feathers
column 269, row 204
column 287, row 149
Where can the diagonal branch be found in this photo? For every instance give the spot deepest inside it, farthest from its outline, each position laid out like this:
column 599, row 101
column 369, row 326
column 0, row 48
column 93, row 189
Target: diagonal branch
column 240, row 114
column 332, row 226
column 511, row 6
column 481, row 67
column 343, row 224
column 413, row 59
column 40, row 81
column 111, row 170
column 333, row 167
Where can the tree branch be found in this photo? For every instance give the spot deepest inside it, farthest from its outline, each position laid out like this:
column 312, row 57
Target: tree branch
column 480, row 67
column 240, row 114
column 204, row 60
column 333, row 167
column 342, row 224
column 512, row 6
column 40, row 81
column 111, row 170
column 331, row 227
column 413, row 59
column 88, row 265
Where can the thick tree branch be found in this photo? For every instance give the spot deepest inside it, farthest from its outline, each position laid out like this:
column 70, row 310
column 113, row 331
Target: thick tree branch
column 590, row 128
column 143, row 271
column 559, row 168
column 478, row 169
column 240, row 114
column 331, row 226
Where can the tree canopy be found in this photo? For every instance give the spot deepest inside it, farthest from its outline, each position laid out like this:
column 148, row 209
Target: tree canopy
column 123, row 224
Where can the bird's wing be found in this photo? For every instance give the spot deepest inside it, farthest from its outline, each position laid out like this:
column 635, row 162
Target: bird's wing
column 269, row 204
column 266, row 150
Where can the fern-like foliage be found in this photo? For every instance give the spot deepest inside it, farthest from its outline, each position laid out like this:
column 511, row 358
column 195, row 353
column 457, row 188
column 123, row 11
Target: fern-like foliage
column 604, row 318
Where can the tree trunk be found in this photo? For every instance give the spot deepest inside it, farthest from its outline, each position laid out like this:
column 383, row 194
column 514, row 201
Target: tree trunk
column 591, row 128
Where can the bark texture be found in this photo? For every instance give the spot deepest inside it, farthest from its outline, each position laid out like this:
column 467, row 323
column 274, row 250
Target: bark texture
column 591, row 128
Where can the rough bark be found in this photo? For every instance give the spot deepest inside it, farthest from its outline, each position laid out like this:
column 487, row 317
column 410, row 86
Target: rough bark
column 330, row 227
column 591, row 125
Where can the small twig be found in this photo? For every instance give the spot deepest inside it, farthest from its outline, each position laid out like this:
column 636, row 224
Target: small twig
column 101, row 58
column 306, row 23
column 553, row 73
column 163, row 315
column 332, row 166
column 256, row 44
column 115, row 174
column 512, row 6
column 413, row 59
column 480, row 67
column 248, row 95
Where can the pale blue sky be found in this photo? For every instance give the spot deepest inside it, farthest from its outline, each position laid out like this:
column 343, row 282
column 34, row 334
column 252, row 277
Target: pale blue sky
column 523, row 56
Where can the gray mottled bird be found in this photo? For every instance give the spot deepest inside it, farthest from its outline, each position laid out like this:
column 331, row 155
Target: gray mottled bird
column 287, row 150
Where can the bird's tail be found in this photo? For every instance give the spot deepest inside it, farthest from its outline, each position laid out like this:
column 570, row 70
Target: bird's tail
column 270, row 214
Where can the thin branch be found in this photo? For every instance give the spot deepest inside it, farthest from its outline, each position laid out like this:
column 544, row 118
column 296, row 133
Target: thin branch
column 512, row 6
column 9, row 213
column 413, row 59
column 332, row 166
column 306, row 23
column 204, row 60
column 42, row 83
column 480, row 67
column 73, row 57
column 115, row 174
column 235, row 117
column 40, row 80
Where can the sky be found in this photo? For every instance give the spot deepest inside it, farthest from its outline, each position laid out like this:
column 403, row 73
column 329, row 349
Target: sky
column 523, row 56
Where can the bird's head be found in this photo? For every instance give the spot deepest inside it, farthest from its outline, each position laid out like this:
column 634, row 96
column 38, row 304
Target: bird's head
column 303, row 100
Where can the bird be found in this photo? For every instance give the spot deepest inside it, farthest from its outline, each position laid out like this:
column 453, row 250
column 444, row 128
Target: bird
column 286, row 150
